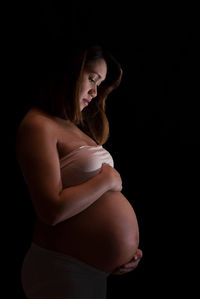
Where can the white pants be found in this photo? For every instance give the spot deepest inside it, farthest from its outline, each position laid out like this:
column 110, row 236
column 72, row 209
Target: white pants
column 48, row 274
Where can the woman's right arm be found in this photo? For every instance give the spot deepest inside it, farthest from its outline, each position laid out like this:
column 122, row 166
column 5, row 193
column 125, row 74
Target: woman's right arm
column 74, row 200
column 38, row 158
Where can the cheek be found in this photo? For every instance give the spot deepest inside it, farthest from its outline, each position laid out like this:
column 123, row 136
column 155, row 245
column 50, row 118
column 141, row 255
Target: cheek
column 84, row 87
column 82, row 92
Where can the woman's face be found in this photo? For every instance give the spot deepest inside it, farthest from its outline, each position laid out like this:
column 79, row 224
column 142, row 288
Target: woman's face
column 93, row 75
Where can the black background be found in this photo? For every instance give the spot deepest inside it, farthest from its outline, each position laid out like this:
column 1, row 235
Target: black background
column 154, row 127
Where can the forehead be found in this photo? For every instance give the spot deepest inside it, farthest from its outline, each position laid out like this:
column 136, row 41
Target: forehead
column 98, row 66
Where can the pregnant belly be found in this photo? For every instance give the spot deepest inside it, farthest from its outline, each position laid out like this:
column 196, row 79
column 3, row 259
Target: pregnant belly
column 105, row 235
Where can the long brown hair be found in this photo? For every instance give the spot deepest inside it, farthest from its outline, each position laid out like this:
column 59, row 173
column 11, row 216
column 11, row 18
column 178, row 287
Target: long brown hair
column 59, row 95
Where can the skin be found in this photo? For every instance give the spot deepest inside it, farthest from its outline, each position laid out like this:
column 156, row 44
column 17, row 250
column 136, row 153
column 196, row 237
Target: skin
column 131, row 265
column 56, row 132
column 92, row 78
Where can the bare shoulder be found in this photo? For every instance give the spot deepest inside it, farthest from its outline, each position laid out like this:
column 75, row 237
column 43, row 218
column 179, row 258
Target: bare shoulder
column 34, row 118
column 34, row 124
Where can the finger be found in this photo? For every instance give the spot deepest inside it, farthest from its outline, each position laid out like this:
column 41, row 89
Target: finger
column 131, row 264
column 121, row 272
column 123, row 269
column 134, row 259
column 139, row 253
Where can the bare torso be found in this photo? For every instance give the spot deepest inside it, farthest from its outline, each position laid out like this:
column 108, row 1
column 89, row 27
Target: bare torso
column 105, row 235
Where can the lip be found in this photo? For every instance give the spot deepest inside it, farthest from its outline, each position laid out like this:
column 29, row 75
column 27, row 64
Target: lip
column 87, row 101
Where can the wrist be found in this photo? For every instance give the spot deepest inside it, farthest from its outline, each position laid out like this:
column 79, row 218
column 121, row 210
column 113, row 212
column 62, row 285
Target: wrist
column 105, row 181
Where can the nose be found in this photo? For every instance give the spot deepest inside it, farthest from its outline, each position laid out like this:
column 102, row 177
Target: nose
column 93, row 91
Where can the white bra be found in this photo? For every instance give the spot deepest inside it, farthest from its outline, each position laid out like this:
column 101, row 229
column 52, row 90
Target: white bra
column 83, row 163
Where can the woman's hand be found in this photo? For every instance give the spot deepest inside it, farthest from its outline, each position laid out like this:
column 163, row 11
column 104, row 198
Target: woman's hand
column 130, row 266
column 112, row 177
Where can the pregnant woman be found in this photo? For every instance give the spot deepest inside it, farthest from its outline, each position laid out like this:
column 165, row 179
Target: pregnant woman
column 85, row 228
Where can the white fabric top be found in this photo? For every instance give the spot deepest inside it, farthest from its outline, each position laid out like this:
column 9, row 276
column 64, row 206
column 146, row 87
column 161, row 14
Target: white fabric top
column 83, row 163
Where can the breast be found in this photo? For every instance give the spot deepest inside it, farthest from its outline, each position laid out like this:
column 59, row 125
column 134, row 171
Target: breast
column 82, row 164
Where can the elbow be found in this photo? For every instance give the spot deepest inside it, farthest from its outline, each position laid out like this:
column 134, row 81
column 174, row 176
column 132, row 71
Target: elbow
column 53, row 219
column 48, row 217
column 50, row 213
column 50, row 221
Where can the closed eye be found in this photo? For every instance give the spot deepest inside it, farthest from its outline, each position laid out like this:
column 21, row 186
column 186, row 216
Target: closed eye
column 91, row 80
